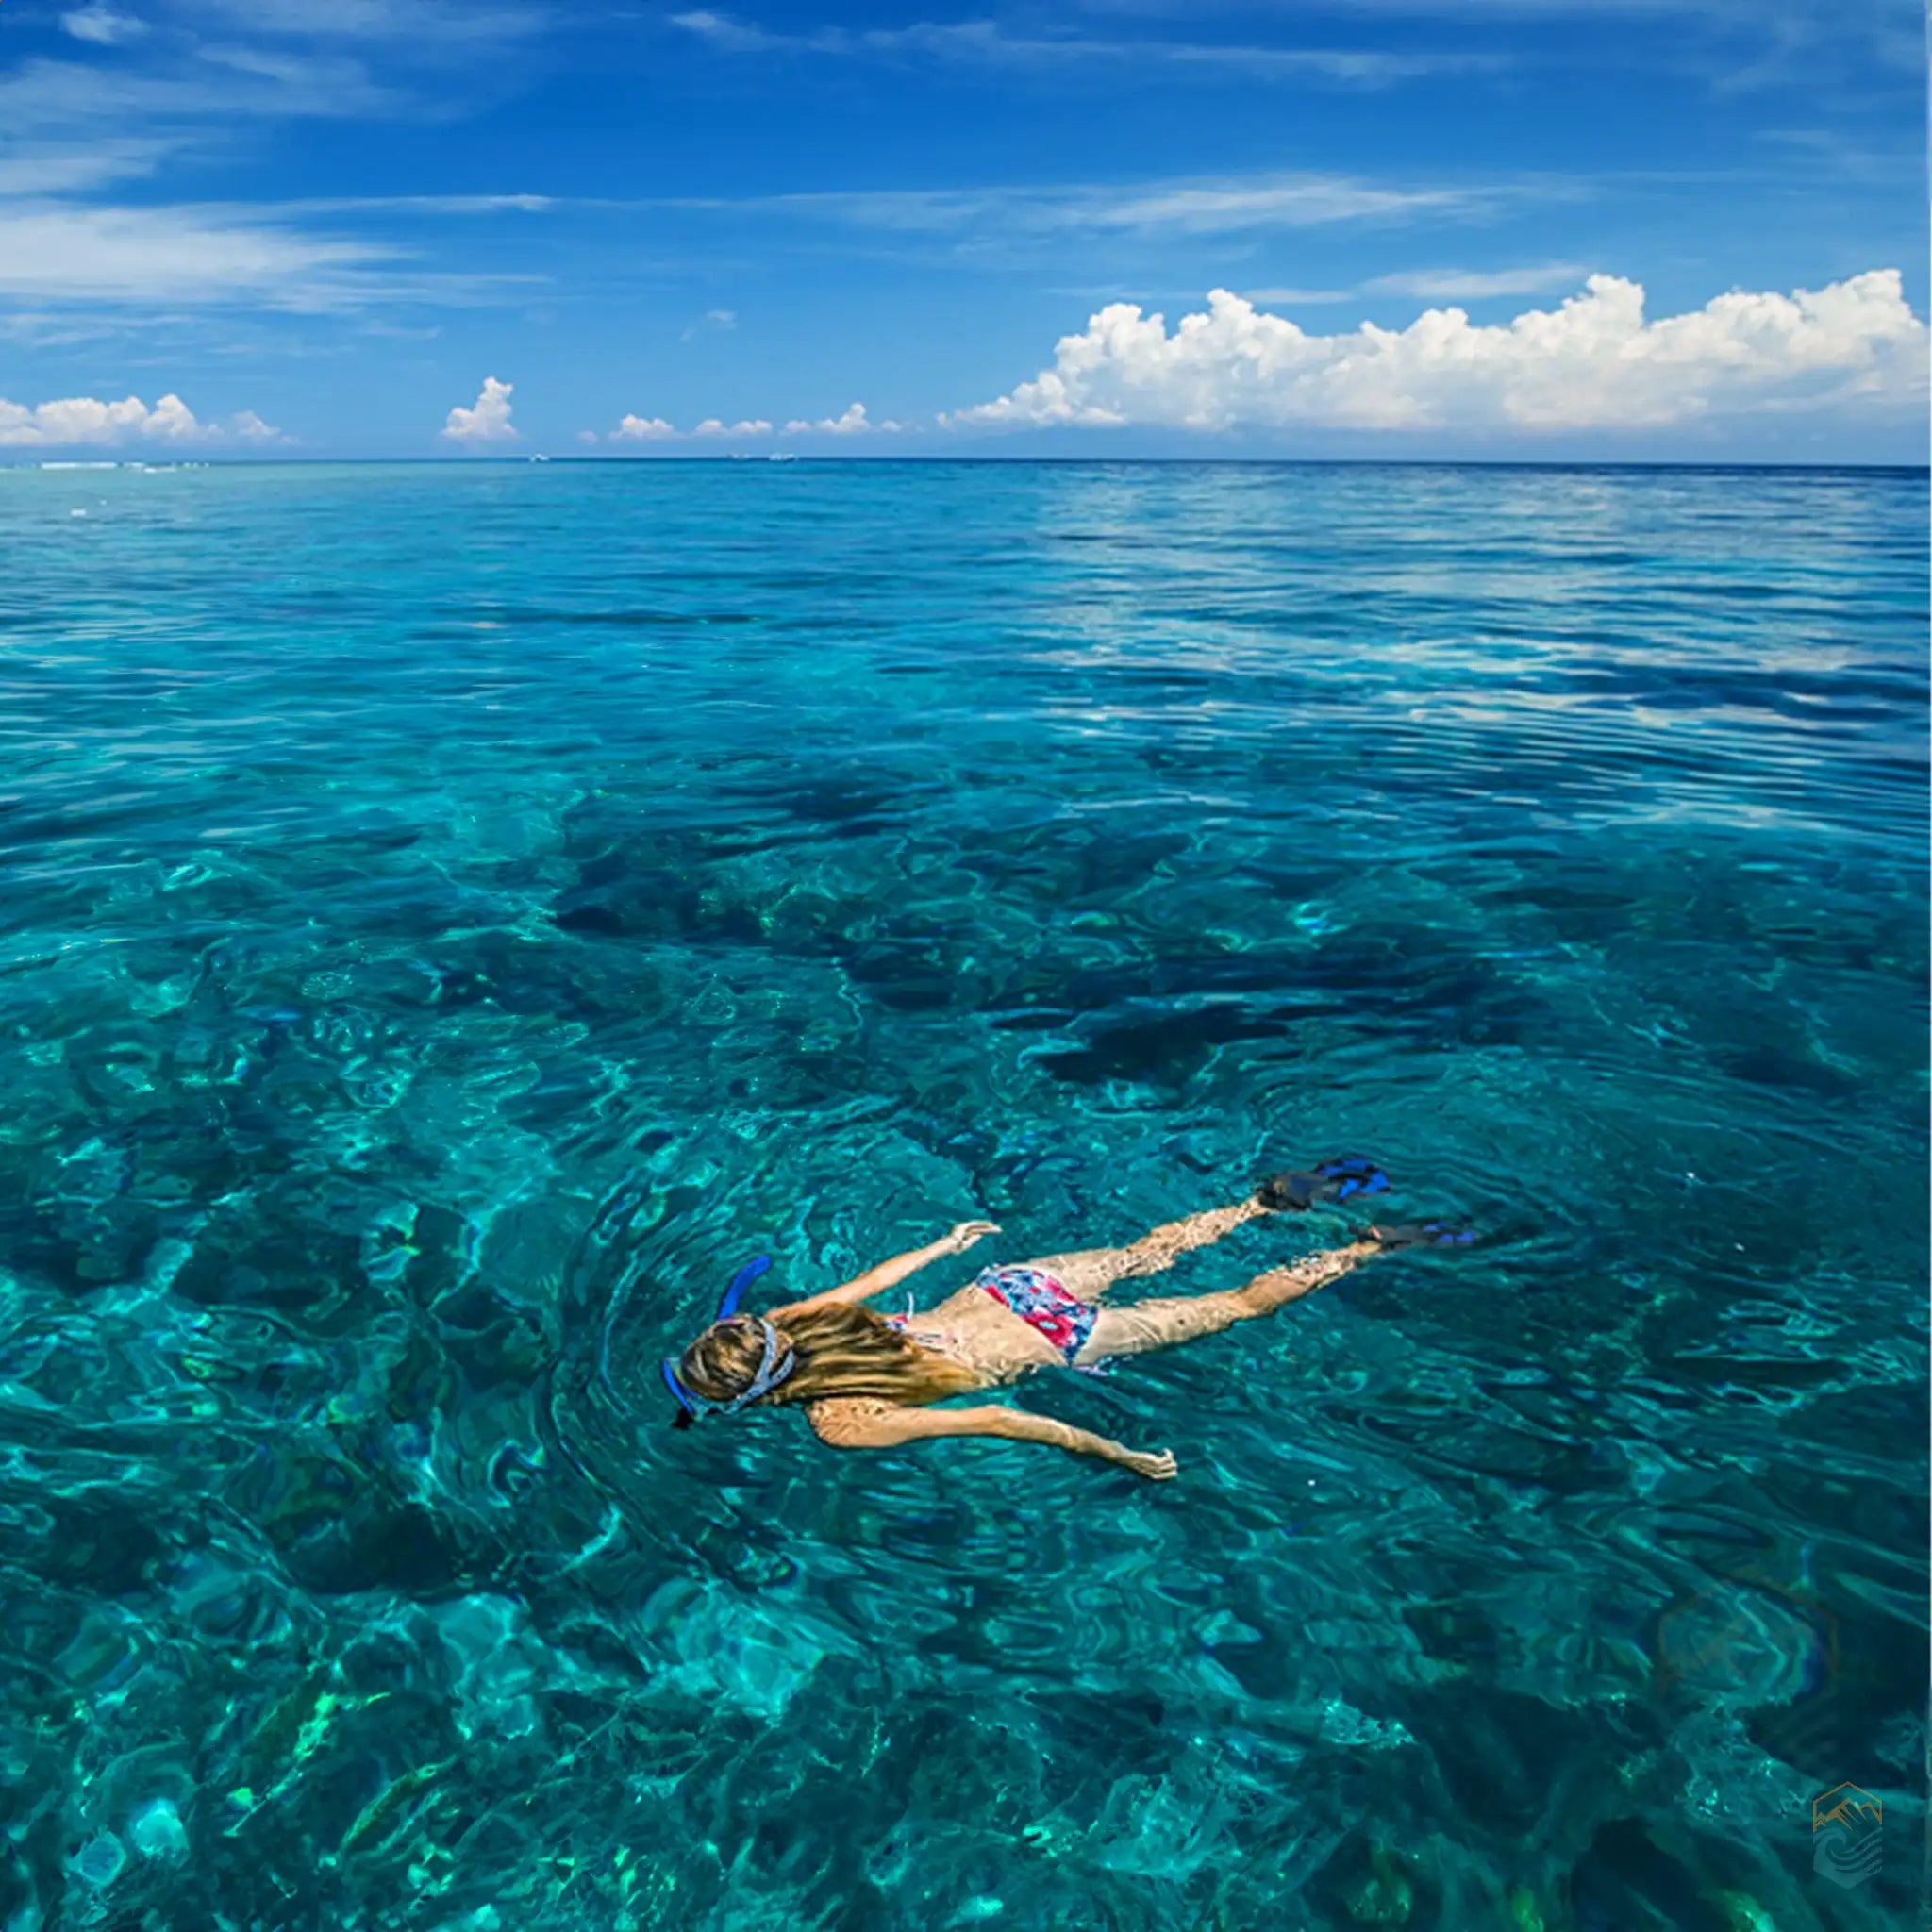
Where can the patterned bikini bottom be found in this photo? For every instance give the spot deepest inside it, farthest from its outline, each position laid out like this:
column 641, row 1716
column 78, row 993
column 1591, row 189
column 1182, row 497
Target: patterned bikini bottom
column 1043, row 1303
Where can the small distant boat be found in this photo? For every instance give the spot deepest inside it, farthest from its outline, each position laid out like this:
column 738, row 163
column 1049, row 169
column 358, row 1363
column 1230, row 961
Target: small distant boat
column 540, row 459
column 782, row 456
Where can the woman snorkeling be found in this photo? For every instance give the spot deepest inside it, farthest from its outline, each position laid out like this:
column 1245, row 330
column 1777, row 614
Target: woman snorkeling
column 867, row 1381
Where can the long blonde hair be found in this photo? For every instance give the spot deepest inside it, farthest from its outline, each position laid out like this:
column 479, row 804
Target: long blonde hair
column 837, row 1350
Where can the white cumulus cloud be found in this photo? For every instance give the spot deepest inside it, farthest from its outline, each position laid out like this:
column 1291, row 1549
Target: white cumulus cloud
column 756, row 425
column 641, row 430
column 486, row 420
column 1596, row 362
column 74, row 421
column 855, row 422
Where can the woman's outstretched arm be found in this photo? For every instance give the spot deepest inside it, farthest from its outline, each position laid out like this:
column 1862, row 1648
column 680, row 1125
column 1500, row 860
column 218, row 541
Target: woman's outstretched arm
column 890, row 1274
column 866, row 1423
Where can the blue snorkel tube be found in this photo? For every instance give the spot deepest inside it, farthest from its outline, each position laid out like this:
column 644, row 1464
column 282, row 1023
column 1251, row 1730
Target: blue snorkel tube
column 691, row 1405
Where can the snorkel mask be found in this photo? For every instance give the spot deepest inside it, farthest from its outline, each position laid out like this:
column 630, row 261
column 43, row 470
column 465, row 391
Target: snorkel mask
column 691, row 1405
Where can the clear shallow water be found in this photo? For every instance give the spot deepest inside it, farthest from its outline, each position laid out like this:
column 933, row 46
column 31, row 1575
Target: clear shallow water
column 452, row 917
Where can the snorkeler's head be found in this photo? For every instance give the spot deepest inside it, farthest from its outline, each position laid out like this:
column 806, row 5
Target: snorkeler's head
column 726, row 1362
column 809, row 1354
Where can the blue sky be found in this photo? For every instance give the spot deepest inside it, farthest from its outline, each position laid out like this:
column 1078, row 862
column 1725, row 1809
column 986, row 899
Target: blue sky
column 319, row 225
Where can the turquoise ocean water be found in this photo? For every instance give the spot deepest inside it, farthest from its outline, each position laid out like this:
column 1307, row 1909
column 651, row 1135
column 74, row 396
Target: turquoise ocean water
column 451, row 917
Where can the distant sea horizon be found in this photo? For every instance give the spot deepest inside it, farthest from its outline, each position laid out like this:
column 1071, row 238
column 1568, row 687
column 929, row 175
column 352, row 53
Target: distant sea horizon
column 598, row 459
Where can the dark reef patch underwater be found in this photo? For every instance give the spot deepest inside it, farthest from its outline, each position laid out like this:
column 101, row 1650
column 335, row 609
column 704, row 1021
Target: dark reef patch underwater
column 452, row 916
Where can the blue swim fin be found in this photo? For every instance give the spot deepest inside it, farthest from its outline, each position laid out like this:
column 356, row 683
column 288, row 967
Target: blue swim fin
column 1341, row 1179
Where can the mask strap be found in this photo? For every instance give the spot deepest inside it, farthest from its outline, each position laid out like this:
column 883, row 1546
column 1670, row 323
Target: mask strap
column 764, row 1381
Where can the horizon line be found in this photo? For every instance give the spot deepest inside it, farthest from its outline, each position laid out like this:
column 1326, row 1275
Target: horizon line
column 854, row 459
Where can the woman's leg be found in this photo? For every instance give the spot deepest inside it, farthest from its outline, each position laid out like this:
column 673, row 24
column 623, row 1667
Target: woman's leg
column 1091, row 1271
column 1170, row 1321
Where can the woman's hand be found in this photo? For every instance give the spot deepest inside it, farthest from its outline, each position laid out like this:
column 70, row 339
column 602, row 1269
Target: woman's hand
column 965, row 1235
column 1156, row 1465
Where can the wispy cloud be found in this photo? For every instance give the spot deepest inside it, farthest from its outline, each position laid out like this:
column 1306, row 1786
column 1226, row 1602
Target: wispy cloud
column 1437, row 285
column 335, row 84
column 64, row 252
column 402, row 205
column 102, row 27
column 1293, row 298
column 1761, row 16
column 1420, row 9
column 202, row 258
column 75, row 167
column 69, row 100
column 425, row 26
column 70, row 129
column 712, row 321
column 1226, row 206
column 1297, row 202
column 1835, row 155
column 733, row 37
column 991, row 43
column 1477, row 285
column 1735, row 46
column 33, row 328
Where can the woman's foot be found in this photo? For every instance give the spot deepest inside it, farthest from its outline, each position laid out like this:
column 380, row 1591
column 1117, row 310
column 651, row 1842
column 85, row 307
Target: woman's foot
column 1339, row 1179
